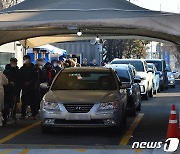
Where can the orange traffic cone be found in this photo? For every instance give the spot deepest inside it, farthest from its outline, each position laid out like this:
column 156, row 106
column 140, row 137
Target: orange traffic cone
column 173, row 124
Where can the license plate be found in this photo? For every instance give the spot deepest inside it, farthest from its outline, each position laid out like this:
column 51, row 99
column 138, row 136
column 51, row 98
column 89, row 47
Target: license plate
column 78, row 117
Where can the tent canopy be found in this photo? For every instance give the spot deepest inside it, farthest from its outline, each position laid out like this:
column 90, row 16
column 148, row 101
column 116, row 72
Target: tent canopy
column 50, row 49
column 61, row 19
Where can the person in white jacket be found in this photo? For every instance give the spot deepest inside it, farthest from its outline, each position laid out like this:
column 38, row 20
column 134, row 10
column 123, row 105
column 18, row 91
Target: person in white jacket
column 3, row 81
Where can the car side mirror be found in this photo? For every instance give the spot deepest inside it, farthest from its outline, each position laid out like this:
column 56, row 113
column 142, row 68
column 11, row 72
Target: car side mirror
column 125, row 85
column 44, row 86
column 137, row 80
column 150, row 70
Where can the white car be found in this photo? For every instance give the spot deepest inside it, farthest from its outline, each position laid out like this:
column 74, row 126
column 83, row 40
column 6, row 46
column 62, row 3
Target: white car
column 143, row 72
column 156, row 79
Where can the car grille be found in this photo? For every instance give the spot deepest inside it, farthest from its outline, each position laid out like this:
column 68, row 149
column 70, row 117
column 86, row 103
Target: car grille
column 78, row 108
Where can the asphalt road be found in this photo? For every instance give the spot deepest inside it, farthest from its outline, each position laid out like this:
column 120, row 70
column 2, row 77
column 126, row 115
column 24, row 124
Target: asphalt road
column 149, row 125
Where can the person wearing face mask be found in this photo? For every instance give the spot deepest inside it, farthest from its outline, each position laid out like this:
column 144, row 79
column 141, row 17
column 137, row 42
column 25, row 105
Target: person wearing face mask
column 12, row 90
column 29, row 85
column 56, row 67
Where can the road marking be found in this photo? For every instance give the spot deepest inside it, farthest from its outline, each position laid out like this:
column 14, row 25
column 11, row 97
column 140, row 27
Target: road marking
column 11, row 136
column 129, row 132
column 6, row 151
column 82, row 150
column 25, row 151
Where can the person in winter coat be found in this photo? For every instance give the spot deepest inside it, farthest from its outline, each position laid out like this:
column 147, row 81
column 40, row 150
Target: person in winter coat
column 56, row 67
column 50, row 72
column 12, row 90
column 29, row 85
column 3, row 81
column 41, row 79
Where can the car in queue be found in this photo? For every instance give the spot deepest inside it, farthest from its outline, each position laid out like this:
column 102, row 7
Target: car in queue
column 156, row 79
column 143, row 72
column 84, row 97
column 171, row 77
column 126, row 75
column 161, row 69
column 176, row 74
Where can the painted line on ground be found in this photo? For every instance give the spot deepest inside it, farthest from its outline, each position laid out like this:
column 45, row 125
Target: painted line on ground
column 126, row 137
column 6, row 151
column 25, row 151
column 11, row 136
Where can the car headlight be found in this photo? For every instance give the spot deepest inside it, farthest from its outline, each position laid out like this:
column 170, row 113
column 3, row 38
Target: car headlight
column 108, row 106
column 171, row 76
column 50, row 106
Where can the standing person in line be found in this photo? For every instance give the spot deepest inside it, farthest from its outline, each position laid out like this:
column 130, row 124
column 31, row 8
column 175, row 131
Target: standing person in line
column 56, row 67
column 12, row 90
column 3, row 81
column 41, row 78
column 50, row 72
column 29, row 83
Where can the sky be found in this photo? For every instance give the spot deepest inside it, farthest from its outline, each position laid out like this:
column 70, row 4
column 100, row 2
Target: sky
column 163, row 5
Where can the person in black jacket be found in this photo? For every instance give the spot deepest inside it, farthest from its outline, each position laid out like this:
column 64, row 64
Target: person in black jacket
column 29, row 85
column 12, row 90
column 56, row 67
column 41, row 79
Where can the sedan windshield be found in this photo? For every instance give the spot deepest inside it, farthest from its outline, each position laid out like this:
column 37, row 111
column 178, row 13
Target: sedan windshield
column 137, row 64
column 84, row 81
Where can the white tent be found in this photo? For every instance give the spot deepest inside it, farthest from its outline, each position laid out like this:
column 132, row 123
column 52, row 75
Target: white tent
column 50, row 49
column 46, row 21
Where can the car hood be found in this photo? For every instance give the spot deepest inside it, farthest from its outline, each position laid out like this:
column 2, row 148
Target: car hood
column 86, row 96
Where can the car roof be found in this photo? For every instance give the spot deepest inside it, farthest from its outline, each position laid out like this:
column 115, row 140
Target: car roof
column 87, row 69
column 117, row 66
column 129, row 60
column 155, row 60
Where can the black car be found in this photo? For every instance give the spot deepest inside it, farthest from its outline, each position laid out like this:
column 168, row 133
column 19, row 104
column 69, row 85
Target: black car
column 161, row 69
column 126, row 75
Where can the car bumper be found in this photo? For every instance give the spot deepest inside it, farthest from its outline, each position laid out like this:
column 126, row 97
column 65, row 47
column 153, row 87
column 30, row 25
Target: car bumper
column 100, row 119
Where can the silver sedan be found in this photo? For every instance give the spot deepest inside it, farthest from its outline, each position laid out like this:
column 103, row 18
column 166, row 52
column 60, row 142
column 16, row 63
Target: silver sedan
column 84, row 97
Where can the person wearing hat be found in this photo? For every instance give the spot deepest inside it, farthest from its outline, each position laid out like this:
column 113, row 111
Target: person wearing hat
column 12, row 90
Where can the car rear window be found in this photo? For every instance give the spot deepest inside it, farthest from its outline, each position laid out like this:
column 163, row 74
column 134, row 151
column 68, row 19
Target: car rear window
column 123, row 75
column 84, row 81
